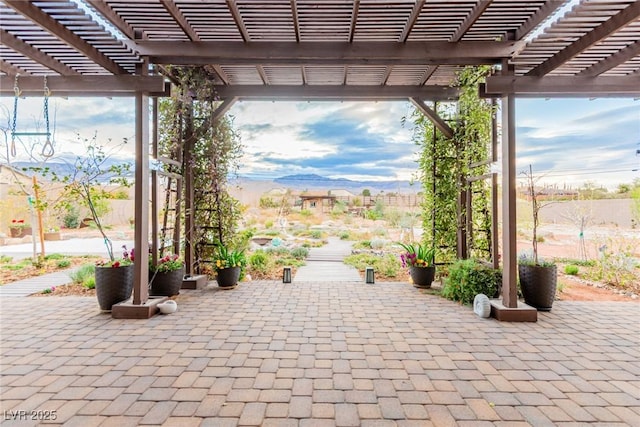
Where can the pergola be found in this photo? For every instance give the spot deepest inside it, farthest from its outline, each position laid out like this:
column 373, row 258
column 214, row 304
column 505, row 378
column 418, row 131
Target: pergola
column 333, row 49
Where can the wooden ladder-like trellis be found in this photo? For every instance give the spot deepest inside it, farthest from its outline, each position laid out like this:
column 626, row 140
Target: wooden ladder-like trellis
column 166, row 233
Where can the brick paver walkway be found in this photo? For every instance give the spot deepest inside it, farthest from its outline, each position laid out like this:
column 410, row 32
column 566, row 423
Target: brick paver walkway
column 319, row 354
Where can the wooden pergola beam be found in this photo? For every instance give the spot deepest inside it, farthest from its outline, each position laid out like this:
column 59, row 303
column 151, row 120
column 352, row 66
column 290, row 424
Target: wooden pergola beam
column 110, row 15
column 125, row 85
column 326, row 53
column 562, row 87
column 612, row 61
column 438, row 122
column 11, row 70
column 619, row 20
column 177, row 15
column 36, row 15
column 37, row 55
column 339, row 92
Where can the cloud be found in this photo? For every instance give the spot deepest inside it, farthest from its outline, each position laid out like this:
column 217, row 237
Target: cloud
column 574, row 141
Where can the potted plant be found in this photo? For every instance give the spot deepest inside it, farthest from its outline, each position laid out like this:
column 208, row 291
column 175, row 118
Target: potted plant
column 19, row 228
column 538, row 277
column 420, row 261
column 228, row 266
column 166, row 277
column 114, row 280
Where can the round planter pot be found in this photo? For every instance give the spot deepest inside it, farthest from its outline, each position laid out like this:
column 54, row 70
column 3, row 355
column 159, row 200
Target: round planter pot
column 538, row 285
column 227, row 278
column 166, row 284
column 113, row 285
column 422, row 277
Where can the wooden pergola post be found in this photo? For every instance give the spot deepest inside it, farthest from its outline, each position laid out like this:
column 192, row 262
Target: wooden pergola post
column 508, row 309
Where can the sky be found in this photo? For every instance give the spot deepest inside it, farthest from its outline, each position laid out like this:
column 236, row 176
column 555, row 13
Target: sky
column 567, row 141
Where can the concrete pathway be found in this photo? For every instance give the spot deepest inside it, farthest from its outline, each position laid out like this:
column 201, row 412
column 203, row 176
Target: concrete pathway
column 326, row 263
column 317, row 354
column 32, row 285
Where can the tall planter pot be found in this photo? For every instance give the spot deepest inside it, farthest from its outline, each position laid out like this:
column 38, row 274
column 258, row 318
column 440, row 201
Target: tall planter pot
column 422, row 277
column 113, row 285
column 227, row 278
column 166, row 284
column 538, row 285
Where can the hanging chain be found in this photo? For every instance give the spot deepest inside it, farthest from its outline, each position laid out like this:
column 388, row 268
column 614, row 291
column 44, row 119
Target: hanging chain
column 16, row 93
column 47, row 148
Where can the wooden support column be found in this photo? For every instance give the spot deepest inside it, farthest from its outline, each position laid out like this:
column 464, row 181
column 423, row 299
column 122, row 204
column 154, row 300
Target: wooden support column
column 141, row 238
column 509, row 309
column 140, row 306
column 509, row 232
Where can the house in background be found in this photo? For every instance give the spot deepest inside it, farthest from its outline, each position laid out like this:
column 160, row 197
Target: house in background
column 320, row 202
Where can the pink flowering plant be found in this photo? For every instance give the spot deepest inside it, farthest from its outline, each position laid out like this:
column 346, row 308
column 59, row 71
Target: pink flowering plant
column 416, row 255
column 127, row 259
column 167, row 264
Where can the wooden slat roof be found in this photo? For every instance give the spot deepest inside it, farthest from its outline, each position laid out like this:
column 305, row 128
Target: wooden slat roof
column 324, row 43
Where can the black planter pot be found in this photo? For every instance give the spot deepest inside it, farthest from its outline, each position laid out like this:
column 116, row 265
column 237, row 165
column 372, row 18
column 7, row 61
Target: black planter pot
column 113, row 285
column 228, row 277
column 422, row 277
column 166, row 284
column 538, row 285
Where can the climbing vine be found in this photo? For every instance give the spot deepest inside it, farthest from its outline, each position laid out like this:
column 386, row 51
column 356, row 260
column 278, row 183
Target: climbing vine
column 187, row 122
column 445, row 166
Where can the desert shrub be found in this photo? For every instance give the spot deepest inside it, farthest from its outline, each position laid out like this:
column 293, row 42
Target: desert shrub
column 571, row 269
column 268, row 223
column 54, row 256
column 344, row 235
column 467, row 278
column 364, row 244
column 71, row 218
column 299, row 252
column 63, row 263
column 316, row 234
column 85, row 275
column 378, row 243
column 4, row 259
column 306, row 213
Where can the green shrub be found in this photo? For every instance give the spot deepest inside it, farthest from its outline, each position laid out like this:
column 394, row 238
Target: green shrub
column 72, row 218
column 316, row 234
column 300, row 252
column 89, row 282
column 85, row 275
column 259, row 261
column 4, row 259
column 467, row 278
column 54, row 256
column 63, row 263
column 268, row 223
column 344, row 235
column 364, row 244
column 571, row 269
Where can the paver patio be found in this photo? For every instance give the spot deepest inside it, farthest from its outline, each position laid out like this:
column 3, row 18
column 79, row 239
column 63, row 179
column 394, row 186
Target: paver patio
column 319, row 354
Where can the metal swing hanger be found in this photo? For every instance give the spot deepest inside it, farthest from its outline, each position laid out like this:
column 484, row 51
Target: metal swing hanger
column 47, row 148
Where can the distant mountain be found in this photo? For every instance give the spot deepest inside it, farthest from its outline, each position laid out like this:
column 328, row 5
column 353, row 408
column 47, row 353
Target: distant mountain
column 62, row 166
column 308, row 181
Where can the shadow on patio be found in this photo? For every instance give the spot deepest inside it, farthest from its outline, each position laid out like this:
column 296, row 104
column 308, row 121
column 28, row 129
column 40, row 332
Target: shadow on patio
column 318, row 354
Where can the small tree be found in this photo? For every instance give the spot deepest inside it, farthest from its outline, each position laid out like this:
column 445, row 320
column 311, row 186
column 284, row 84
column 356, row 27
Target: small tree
column 87, row 175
